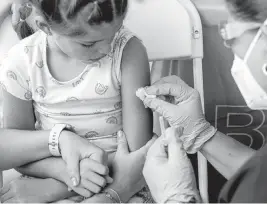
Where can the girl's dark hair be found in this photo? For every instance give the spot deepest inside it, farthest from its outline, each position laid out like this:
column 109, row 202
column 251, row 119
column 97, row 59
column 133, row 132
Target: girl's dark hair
column 249, row 10
column 23, row 30
column 91, row 12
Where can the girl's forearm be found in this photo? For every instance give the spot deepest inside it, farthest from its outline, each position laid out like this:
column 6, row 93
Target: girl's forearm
column 53, row 171
column 47, row 168
column 19, row 147
column 226, row 154
column 46, row 190
column 56, row 190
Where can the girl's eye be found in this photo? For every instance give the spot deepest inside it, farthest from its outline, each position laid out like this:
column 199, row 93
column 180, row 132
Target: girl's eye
column 88, row 45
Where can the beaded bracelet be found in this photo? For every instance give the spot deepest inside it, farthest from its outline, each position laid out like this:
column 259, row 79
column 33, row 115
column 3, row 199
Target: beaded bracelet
column 109, row 195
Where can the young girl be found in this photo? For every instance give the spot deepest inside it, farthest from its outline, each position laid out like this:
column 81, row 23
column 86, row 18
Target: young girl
column 82, row 69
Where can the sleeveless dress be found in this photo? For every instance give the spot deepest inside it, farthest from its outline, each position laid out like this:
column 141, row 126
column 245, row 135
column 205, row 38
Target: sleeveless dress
column 90, row 103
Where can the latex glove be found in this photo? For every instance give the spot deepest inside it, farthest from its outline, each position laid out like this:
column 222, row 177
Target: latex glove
column 181, row 107
column 170, row 177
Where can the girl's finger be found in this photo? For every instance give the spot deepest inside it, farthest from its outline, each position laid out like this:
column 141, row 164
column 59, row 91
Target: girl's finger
column 90, row 186
column 95, row 167
column 83, row 192
column 109, row 179
column 95, row 178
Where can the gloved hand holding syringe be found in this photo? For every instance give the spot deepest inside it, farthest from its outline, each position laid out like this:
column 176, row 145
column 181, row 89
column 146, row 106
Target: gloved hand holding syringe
column 180, row 105
column 167, row 170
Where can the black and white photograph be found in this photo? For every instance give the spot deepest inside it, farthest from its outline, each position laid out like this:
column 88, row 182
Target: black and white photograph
column 133, row 101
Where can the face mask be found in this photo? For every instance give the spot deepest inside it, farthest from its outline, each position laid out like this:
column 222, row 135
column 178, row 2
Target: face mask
column 254, row 95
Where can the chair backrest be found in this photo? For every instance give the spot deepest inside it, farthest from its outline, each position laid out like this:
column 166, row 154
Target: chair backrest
column 170, row 29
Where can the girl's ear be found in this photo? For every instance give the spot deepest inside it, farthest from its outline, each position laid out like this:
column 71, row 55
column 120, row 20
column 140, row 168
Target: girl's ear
column 42, row 25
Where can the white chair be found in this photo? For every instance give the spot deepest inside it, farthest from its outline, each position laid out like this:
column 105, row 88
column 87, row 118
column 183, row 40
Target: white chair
column 171, row 30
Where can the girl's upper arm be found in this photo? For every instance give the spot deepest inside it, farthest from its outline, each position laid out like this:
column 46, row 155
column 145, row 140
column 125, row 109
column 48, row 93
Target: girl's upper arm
column 137, row 120
column 17, row 113
column 17, row 96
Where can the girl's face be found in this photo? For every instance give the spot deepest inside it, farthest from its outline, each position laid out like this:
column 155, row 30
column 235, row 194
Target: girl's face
column 92, row 44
